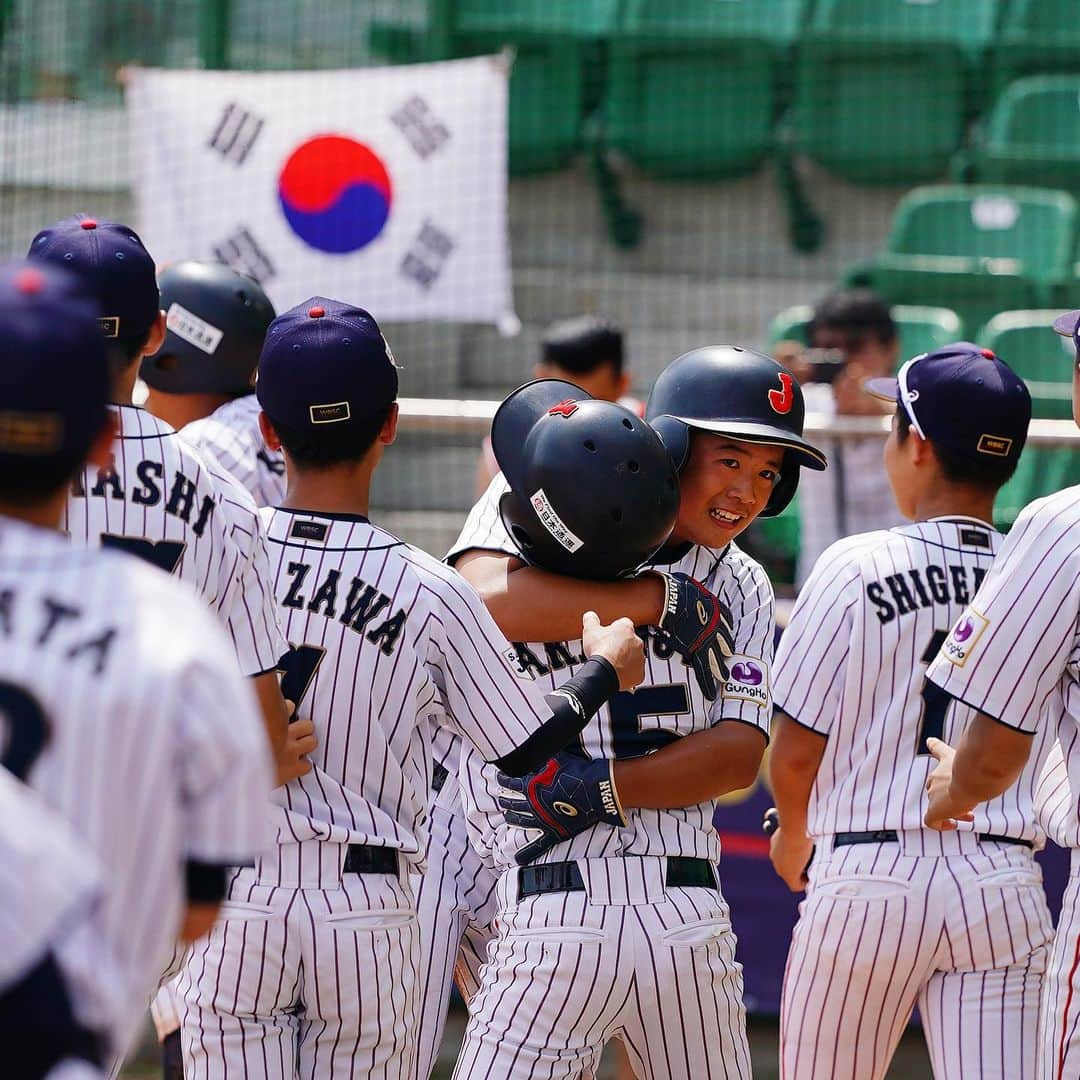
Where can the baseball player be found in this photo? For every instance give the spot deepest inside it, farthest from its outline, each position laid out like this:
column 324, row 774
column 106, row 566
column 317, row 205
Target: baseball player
column 456, row 895
column 962, row 919
column 616, row 928
column 155, row 754
column 312, row 972
column 202, row 379
column 1012, row 658
column 157, row 498
column 50, row 950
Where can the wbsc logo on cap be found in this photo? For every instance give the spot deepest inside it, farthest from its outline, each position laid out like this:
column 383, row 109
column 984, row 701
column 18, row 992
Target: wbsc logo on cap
column 330, row 414
column 110, row 325
column 997, row 445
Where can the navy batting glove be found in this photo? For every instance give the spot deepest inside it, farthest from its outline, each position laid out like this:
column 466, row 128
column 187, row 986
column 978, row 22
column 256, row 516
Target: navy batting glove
column 699, row 626
column 568, row 795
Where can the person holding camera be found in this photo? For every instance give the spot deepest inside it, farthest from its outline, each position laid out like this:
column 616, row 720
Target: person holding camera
column 852, row 338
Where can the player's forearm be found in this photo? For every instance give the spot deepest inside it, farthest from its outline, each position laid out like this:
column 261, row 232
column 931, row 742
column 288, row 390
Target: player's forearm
column 794, row 759
column 989, row 760
column 533, row 605
column 695, row 769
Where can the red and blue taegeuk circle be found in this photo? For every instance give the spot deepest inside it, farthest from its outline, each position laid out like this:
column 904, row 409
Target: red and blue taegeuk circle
column 335, row 193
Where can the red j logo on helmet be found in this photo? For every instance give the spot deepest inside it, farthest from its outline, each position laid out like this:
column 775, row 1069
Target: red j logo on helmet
column 781, row 400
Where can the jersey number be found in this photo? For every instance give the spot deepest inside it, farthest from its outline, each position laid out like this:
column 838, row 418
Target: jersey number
column 629, row 738
column 165, row 554
column 935, row 700
column 298, row 667
column 28, row 729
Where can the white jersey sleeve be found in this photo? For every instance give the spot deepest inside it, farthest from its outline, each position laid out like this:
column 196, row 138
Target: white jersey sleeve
column 250, row 613
column 746, row 696
column 49, row 881
column 472, row 665
column 1018, row 642
column 226, row 772
column 814, row 649
column 484, row 529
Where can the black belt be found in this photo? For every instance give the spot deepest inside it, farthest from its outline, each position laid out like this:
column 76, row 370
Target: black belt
column 439, row 773
column 366, row 859
column 888, row 836
column 566, row 877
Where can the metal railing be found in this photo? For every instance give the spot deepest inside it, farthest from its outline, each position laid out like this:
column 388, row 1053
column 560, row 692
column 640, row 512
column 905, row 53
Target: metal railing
column 473, row 417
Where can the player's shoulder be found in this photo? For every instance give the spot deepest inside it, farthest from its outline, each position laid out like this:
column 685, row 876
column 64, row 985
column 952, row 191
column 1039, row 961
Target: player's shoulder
column 729, row 572
column 851, row 558
column 434, row 576
column 235, row 419
column 1058, row 513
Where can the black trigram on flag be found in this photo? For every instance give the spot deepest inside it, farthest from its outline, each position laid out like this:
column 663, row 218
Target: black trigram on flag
column 240, row 251
column 424, row 132
column 236, row 133
column 426, row 257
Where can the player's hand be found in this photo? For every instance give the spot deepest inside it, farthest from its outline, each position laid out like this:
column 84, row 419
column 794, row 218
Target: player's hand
column 617, row 643
column 699, row 626
column 790, row 855
column 292, row 761
column 568, row 795
column 943, row 812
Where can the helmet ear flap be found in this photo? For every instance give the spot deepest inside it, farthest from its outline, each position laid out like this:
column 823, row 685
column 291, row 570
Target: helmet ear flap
column 675, row 435
column 784, row 489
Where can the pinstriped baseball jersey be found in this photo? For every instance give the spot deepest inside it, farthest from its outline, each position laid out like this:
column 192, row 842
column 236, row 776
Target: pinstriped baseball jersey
column 1056, row 801
column 157, row 755
column 50, row 886
column 230, row 439
column 391, row 641
column 1015, row 652
column 667, row 705
column 161, row 501
column 851, row 665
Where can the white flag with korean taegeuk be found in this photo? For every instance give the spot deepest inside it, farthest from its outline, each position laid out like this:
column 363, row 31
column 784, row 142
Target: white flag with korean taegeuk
column 384, row 187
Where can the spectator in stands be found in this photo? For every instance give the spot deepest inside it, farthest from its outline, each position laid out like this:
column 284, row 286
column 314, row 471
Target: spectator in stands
column 853, row 338
column 585, row 350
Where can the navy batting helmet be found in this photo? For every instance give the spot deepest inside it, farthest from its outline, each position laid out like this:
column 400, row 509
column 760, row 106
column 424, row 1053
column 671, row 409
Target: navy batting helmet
column 737, row 392
column 593, row 492
column 216, row 319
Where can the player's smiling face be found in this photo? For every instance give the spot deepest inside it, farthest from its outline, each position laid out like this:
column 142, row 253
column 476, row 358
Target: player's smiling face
column 725, row 485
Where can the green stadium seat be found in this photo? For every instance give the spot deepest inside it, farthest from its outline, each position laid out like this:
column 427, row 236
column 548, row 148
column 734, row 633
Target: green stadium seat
column 885, row 86
column 694, row 88
column 921, row 328
column 978, row 250
column 1031, row 134
column 1037, row 36
column 1043, row 359
column 550, row 85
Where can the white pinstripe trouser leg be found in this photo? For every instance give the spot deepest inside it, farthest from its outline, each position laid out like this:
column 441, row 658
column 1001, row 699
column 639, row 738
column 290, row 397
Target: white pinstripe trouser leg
column 964, row 936
column 569, row 971
column 1059, row 1023
column 307, row 983
column 455, row 907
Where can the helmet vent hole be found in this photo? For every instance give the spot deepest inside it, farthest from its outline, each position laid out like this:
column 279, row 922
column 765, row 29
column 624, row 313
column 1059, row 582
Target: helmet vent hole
column 627, row 424
column 633, row 466
column 521, row 537
column 590, row 446
column 616, row 513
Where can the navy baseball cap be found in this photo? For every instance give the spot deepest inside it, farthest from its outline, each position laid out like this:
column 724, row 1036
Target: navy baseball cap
column 963, row 398
column 325, row 366
column 54, row 375
column 1068, row 325
column 116, row 264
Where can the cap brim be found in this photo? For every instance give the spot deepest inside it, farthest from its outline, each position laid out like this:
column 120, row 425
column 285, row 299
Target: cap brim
column 515, row 417
column 1065, row 325
column 748, row 431
column 886, row 389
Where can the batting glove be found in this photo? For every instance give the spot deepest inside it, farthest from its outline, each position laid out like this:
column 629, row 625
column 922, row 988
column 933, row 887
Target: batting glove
column 568, row 795
column 699, row 626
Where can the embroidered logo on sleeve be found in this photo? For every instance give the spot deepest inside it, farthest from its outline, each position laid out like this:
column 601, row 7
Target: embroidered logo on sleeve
column 964, row 636
column 748, row 681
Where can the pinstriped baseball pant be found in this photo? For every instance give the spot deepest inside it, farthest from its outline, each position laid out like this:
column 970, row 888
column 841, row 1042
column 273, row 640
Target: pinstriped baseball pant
column 455, row 907
column 635, row 960
column 304, row 982
column 964, row 936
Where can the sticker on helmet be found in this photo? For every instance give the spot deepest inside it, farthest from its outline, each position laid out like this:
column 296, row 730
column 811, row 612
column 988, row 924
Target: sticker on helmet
column 553, row 523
